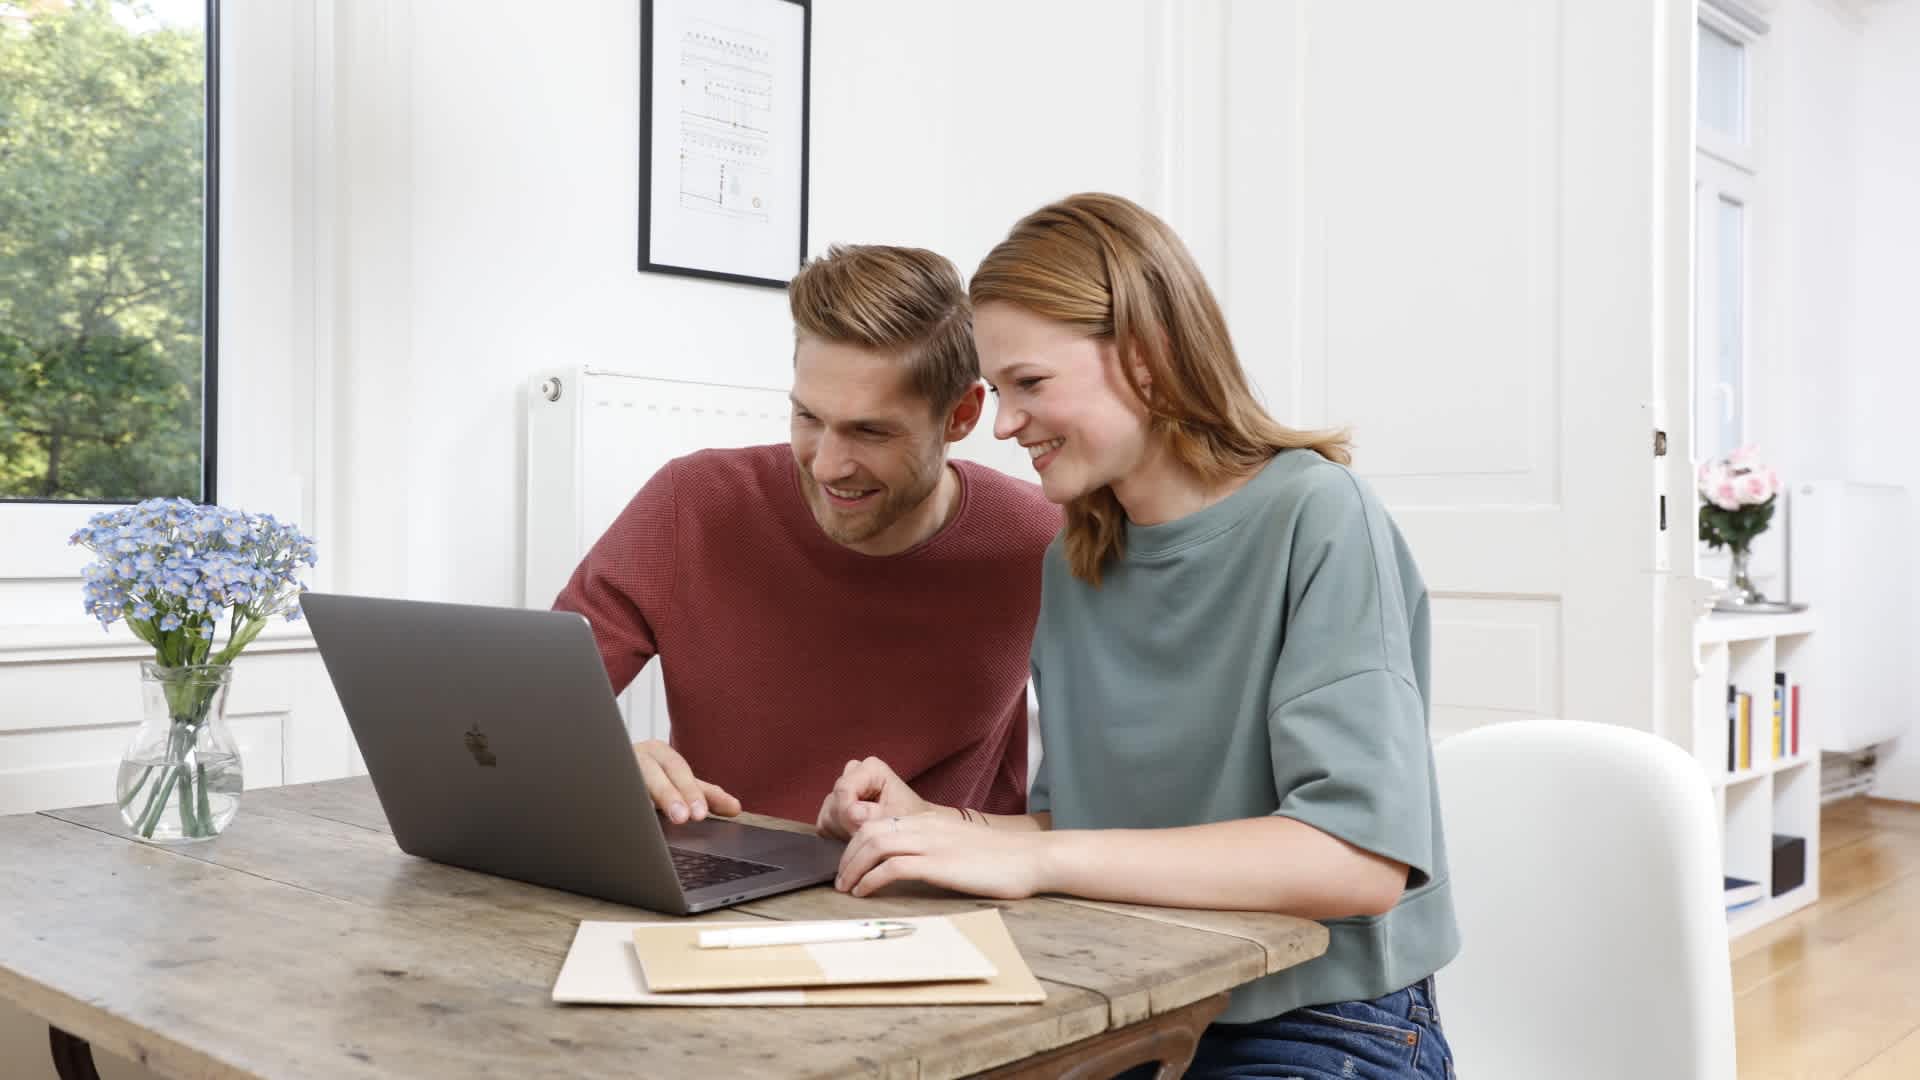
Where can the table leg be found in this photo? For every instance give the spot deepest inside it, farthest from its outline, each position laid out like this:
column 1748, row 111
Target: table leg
column 1169, row 1039
column 72, row 1058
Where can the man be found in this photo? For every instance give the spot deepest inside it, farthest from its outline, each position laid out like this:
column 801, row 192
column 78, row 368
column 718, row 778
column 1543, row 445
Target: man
column 853, row 593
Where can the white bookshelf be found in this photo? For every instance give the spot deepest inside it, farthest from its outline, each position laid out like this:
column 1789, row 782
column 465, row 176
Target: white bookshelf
column 1768, row 794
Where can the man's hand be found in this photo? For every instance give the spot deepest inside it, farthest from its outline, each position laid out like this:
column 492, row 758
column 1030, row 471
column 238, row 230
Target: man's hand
column 675, row 790
column 867, row 790
column 946, row 853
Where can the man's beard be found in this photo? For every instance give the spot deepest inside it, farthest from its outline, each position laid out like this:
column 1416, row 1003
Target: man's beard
column 895, row 503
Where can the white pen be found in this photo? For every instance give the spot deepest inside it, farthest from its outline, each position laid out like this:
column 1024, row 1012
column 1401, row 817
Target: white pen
column 803, row 934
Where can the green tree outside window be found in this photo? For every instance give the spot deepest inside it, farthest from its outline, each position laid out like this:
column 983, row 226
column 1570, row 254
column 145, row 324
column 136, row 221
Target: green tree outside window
column 102, row 236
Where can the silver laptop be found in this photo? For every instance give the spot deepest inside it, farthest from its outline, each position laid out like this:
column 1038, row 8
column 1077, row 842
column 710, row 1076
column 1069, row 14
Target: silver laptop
column 494, row 744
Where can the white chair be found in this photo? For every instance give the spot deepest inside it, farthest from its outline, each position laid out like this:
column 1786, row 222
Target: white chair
column 1586, row 878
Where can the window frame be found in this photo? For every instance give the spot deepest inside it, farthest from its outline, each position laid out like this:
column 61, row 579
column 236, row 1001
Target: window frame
column 1728, row 167
column 34, row 531
column 1736, row 150
column 1717, row 182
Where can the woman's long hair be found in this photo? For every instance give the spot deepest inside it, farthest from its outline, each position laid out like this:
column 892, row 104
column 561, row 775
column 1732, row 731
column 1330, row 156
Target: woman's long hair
column 1106, row 266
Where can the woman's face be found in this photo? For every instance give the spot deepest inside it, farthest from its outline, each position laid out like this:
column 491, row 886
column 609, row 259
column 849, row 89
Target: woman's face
column 1061, row 395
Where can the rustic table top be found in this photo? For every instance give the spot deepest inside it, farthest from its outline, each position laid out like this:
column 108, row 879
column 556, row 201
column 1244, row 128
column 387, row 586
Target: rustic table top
column 303, row 942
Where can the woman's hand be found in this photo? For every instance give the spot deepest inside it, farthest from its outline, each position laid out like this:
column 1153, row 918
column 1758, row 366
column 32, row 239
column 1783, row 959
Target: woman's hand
column 866, row 791
column 944, row 852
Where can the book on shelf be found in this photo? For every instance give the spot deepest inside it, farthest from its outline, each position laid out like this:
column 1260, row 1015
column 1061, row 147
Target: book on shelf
column 1789, row 863
column 1779, row 715
column 1741, row 892
column 1794, row 714
column 1733, row 729
column 1746, row 730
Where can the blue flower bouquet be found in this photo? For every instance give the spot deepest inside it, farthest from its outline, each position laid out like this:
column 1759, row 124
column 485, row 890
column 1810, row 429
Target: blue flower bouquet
column 176, row 572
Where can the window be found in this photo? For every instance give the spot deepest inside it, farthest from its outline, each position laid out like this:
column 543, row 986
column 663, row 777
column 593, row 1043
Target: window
column 1723, row 82
column 1726, row 179
column 108, row 274
column 1721, row 365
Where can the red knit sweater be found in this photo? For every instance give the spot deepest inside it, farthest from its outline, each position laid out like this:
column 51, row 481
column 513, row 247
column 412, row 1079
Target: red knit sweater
column 788, row 655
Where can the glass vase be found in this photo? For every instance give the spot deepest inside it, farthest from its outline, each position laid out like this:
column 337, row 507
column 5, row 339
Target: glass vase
column 1740, row 588
column 180, row 778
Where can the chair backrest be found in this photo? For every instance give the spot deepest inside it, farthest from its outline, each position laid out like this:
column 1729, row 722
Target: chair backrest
column 1587, row 882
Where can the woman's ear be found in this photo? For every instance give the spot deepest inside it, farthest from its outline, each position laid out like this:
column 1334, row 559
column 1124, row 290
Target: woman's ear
column 1131, row 362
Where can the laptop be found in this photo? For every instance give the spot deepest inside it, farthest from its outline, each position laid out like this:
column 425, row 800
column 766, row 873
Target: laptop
column 494, row 744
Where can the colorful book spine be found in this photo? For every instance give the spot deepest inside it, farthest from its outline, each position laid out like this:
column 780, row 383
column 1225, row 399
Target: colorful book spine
column 1779, row 715
column 1733, row 728
column 1746, row 730
column 1796, row 718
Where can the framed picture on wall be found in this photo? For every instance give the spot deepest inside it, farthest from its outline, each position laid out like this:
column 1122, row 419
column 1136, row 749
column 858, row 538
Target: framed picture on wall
column 723, row 138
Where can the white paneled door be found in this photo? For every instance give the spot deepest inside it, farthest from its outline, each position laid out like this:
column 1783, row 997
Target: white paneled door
column 1458, row 229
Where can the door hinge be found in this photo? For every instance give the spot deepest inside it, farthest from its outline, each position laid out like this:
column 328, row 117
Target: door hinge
column 1659, row 443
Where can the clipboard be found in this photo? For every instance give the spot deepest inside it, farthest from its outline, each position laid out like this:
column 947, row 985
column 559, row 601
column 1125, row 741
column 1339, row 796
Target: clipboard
column 604, row 968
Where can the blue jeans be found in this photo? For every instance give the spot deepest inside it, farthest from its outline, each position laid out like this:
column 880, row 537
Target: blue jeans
column 1396, row 1037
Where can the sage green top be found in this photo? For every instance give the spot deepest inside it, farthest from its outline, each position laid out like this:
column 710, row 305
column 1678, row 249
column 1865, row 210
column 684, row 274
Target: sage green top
column 1265, row 655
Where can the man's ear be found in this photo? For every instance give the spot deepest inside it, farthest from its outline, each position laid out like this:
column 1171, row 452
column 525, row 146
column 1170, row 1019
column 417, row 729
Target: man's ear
column 966, row 412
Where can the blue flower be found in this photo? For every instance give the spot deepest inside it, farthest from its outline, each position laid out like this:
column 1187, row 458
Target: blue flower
column 185, row 563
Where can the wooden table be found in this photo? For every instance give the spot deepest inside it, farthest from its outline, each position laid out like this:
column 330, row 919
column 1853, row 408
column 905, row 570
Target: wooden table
column 303, row 943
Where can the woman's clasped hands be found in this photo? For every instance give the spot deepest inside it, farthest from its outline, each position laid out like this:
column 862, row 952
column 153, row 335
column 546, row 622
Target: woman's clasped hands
column 894, row 835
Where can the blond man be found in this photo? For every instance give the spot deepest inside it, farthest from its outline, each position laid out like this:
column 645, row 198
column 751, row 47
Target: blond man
column 852, row 593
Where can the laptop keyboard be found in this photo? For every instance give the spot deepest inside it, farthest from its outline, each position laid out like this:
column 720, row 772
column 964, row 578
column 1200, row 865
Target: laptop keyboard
column 698, row 869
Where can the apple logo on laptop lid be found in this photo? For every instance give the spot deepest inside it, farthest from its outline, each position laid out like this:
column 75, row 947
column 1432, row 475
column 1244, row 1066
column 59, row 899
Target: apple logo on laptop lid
column 477, row 746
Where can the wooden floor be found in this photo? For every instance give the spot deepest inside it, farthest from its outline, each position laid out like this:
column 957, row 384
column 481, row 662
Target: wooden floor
column 1834, row 989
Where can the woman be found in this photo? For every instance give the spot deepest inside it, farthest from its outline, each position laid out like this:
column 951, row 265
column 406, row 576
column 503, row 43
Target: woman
column 1231, row 661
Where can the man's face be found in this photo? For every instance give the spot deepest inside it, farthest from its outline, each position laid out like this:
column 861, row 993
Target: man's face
column 870, row 451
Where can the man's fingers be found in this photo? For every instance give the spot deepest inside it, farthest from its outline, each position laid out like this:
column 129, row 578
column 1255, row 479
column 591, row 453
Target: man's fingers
column 719, row 799
column 693, row 797
column 665, row 796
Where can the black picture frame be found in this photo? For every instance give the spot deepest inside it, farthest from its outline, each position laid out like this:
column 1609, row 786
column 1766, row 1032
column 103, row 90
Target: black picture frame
column 650, row 231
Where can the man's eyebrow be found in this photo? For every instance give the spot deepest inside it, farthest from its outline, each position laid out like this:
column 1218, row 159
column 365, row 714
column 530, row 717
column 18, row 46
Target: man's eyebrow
column 871, row 422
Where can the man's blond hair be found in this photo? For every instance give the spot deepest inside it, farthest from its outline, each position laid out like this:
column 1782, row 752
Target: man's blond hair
column 908, row 301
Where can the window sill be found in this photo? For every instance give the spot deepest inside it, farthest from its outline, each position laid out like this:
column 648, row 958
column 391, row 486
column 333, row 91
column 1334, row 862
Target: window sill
column 58, row 642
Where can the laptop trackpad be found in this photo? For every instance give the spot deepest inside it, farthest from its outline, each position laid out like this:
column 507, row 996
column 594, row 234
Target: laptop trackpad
column 723, row 837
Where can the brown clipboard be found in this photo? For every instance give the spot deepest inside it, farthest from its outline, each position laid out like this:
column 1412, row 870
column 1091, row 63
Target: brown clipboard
column 603, row 968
